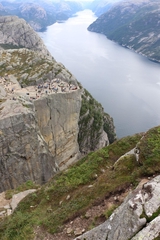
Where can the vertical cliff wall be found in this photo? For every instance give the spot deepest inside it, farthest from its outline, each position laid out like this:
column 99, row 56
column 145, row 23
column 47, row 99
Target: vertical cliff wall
column 41, row 110
column 24, row 155
column 57, row 116
column 39, row 138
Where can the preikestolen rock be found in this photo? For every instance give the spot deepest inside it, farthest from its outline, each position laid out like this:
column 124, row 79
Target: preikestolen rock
column 40, row 127
column 131, row 217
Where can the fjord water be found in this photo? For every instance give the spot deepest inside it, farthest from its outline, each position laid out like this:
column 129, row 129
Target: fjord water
column 125, row 83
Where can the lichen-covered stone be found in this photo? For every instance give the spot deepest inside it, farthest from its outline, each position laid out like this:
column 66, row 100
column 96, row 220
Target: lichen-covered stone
column 150, row 232
column 128, row 219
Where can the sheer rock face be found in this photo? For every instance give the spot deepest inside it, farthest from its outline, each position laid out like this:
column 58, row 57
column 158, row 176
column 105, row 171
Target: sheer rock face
column 127, row 220
column 57, row 117
column 39, row 130
column 24, row 155
column 16, row 32
column 38, row 138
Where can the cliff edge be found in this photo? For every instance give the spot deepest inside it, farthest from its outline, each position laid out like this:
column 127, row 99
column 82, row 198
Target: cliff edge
column 40, row 112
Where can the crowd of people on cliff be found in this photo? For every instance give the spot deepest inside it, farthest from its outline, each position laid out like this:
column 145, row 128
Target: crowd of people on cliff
column 53, row 86
column 34, row 92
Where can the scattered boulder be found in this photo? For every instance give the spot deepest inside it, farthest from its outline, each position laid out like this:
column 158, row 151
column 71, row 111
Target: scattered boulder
column 69, row 230
column 78, row 231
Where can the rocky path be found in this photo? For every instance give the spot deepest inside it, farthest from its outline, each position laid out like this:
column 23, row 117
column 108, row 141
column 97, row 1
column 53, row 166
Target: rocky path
column 93, row 217
column 8, row 206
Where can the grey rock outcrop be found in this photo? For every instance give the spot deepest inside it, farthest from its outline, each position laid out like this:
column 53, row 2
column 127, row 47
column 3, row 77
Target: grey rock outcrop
column 8, row 206
column 37, row 137
column 57, row 117
column 150, row 232
column 16, row 33
column 132, row 216
column 39, row 126
column 30, row 67
column 24, row 154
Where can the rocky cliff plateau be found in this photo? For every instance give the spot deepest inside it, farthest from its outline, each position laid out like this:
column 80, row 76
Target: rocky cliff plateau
column 42, row 112
column 133, row 24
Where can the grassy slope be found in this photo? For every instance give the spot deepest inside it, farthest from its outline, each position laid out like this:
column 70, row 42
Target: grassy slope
column 51, row 209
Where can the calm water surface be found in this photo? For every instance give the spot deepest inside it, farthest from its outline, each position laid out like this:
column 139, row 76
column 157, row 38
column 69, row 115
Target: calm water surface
column 125, row 83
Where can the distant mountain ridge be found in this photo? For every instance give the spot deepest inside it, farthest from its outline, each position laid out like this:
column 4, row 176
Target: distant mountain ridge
column 100, row 7
column 133, row 24
column 40, row 14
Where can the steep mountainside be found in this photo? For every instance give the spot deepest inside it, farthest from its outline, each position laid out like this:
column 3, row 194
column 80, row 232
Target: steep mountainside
column 41, row 110
column 100, row 7
column 133, row 24
column 16, row 33
column 86, row 195
column 42, row 13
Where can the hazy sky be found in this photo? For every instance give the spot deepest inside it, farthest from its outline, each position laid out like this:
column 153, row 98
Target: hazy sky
column 82, row 0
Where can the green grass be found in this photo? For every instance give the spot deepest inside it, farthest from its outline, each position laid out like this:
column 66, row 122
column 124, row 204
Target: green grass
column 150, row 152
column 91, row 123
column 109, row 211
column 68, row 194
column 154, row 215
column 29, row 62
column 50, row 206
column 25, row 186
column 157, row 238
